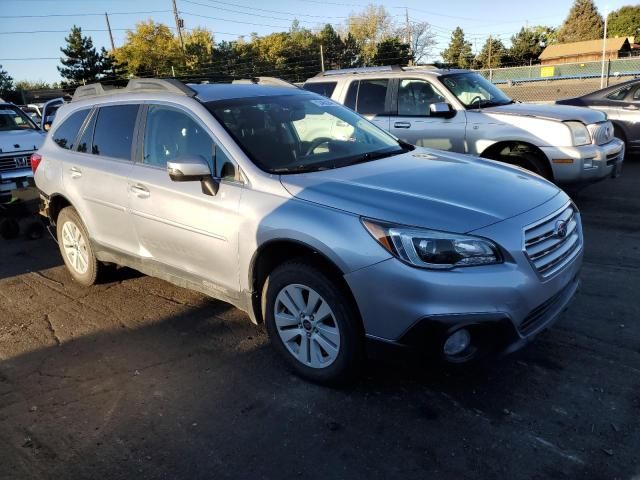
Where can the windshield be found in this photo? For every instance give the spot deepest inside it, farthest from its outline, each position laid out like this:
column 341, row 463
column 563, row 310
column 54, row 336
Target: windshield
column 12, row 118
column 474, row 91
column 300, row 133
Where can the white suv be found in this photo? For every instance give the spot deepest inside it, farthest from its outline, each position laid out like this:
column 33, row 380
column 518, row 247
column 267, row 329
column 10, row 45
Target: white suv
column 461, row 111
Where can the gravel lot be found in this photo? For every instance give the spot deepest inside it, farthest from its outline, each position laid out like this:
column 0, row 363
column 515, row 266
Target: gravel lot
column 138, row 379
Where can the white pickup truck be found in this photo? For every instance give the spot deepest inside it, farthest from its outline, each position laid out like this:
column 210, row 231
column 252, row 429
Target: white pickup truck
column 461, row 111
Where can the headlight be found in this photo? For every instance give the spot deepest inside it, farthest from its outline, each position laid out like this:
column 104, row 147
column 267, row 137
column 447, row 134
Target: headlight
column 433, row 249
column 579, row 133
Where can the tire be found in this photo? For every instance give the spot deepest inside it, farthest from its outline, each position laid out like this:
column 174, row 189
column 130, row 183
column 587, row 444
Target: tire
column 75, row 248
column 327, row 348
column 528, row 161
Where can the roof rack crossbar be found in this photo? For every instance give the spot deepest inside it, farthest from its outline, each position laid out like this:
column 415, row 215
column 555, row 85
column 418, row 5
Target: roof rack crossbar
column 135, row 85
column 270, row 81
column 344, row 71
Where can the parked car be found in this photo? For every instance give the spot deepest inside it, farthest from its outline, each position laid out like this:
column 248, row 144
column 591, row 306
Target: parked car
column 330, row 236
column 621, row 103
column 461, row 111
column 33, row 111
column 19, row 138
column 49, row 110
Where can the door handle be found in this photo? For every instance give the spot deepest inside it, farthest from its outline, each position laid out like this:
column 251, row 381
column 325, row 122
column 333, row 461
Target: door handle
column 402, row 125
column 139, row 191
column 75, row 172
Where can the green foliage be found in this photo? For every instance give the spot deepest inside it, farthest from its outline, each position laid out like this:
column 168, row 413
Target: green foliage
column 458, row 53
column 198, row 48
column 369, row 28
column 625, row 22
column 27, row 85
column 492, row 54
column 392, row 52
column 526, row 46
column 110, row 68
column 6, row 82
column 584, row 22
column 81, row 62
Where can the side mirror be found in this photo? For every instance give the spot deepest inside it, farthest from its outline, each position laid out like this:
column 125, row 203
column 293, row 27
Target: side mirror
column 442, row 110
column 193, row 168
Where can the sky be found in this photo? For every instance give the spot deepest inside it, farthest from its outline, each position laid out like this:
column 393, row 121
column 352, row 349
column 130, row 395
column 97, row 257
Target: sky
column 32, row 31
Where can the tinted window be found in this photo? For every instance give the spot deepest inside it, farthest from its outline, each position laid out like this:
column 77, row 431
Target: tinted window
column 113, row 135
column 415, row 97
column 323, row 88
column 67, row 132
column 371, row 96
column 84, row 144
column 620, row 94
column 171, row 133
column 352, row 95
column 636, row 95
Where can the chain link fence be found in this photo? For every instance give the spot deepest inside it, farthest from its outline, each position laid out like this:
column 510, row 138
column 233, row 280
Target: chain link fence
column 546, row 83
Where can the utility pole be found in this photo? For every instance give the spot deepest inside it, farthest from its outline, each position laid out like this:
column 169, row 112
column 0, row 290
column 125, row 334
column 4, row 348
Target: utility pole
column 321, row 58
column 604, row 46
column 179, row 24
column 113, row 46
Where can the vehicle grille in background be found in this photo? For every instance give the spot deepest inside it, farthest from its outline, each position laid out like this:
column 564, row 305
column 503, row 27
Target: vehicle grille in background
column 8, row 164
column 601, row 133
column 546, row 246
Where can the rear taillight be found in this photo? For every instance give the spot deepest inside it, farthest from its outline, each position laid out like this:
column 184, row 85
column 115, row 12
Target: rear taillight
column 35, row 161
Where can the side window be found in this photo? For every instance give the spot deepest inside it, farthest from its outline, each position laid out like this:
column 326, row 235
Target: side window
column 619, row 94
column 371, row 97
column 415, row 97
column 113, row 135
column 636, row 94
column 323, row 88
column 84, row 144
column 171, row 133
column 67, row 132
column 352, row 95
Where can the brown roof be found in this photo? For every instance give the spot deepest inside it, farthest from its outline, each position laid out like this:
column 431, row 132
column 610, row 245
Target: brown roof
column 582, row 48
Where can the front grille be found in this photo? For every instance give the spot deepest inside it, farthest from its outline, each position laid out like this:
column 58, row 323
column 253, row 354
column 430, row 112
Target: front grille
column 8, row 164
column 601, row 133
column 539, row 315
column 553, row 242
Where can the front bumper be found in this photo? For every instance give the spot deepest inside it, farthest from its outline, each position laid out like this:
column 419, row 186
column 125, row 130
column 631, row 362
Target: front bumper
column 15, row 179
column 504, row 306
column 587, row 163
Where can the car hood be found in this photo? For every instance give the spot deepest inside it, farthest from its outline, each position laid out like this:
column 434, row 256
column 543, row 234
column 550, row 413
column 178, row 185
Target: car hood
column 426, row 188
column 20, row 140
column 550, row 112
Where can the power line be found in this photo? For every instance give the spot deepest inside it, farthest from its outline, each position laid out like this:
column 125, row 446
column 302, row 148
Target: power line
column 84, row 14
column 272, row 11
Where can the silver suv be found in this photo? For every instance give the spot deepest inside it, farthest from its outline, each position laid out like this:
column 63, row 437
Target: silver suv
column 310, row 218
column 461, row 111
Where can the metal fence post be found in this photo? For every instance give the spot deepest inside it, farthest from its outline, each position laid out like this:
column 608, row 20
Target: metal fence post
column 606, row 84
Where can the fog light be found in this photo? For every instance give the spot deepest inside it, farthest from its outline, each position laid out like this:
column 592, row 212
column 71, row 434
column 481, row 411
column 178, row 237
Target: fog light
column 457, row 342
column 587, row 163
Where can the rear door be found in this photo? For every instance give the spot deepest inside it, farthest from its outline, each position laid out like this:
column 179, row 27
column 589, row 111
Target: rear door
column 371, row 98
column 96, row 169
column 412, row 121
column 176, row 223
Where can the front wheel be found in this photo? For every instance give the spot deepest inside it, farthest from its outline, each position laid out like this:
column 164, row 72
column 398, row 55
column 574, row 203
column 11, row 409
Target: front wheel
column 528, row 161
column 312, row 324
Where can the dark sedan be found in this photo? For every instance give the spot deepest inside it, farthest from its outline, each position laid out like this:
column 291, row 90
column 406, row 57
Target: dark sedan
column 621, row 102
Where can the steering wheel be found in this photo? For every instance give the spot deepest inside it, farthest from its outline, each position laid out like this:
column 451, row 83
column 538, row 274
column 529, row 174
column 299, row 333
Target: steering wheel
column 315, row 144
column 475, row 99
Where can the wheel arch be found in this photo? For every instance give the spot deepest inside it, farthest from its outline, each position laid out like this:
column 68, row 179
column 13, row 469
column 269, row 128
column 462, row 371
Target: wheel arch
column 497, row 149
column 57, row 202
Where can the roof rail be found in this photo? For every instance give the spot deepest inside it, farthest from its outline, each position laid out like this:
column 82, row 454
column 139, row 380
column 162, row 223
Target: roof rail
column 270, row 81
column 344, row 71
column 135, row 85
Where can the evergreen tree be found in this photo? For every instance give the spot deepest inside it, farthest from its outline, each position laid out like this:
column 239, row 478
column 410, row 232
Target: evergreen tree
column 81, row 62
column 492, row 53
column 109, row 67
column 584, row 22
column 526, row 46
column 332, row 47
column 392, row 52
column 458, row 52
column 351, row 55
column 625, row 22
column 6, row 82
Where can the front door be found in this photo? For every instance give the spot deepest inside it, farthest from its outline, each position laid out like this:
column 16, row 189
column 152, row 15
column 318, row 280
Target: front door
column 413, row 122
column 176, row 223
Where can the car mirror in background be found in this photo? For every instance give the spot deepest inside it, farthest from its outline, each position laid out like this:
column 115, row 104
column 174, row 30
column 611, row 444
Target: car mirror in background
column 193, row 168
column 441, row 109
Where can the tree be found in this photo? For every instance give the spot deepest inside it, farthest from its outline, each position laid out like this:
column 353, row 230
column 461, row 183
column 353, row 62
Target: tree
column 458, row 52
column 421, row 39
column 6, row 82
column 526, row 46
column 492, row 53
column 392, row 52
column 81, row 62
column 368, row 28
column 584, row 22
column 198, row 48
column 624, row 22
column 150, row 50
column 332, row 47
column 110, row 68
column 27, row 85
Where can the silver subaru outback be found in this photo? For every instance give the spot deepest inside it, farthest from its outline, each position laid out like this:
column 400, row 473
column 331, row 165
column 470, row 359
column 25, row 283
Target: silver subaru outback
column 310, row 218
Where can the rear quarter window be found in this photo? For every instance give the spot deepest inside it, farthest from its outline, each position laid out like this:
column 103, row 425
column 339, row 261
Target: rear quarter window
column 323, row 88
column 66, row 134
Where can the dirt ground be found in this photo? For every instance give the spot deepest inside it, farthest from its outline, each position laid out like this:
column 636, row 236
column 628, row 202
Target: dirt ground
column 135, row 378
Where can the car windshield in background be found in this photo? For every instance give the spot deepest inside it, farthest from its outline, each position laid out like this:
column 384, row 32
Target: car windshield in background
column 474, row 91
column 302, row 133
column 12, row 118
